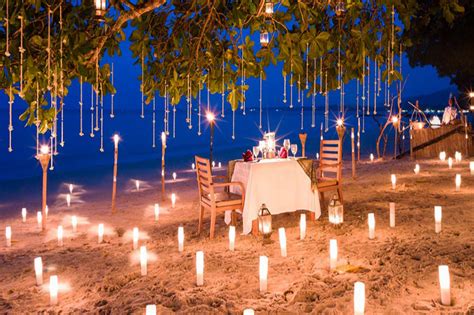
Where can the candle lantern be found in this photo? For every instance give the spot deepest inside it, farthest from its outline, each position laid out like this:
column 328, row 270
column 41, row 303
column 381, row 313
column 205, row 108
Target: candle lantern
column 340, row 128
column 114, row 181
column 335, row 211
column 100, row 8
column 264, row 39
column 268, row 7
column 270, row 145
column 265, row 222
column 44, row 158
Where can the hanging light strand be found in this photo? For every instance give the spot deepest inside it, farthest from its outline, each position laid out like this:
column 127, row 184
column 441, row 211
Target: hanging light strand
column 326, row 104
column 142, row 86
column 368, row 85
column 97, row 96
column 61, row 74
column 21, row 49
column 260, row 101
column 153, row 124
column 223, row 89
column 375, row 88
column 313, row 105
column 101, row 118
column 10, row 121
column 291, row 84
column 81, row 133
column 7, row 31
column 112, row 95
column 284, row 86
column 92, row 111
column 37, row 121
column 48, row 49
column 199, row 108
column 307, row 66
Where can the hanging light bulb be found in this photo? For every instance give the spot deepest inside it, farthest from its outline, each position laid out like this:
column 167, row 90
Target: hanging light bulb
column 268, row 7
column 264, row 39
column 100, row 8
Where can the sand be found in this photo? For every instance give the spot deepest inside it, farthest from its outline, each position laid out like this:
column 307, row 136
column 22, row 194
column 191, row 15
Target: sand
column 399, row 267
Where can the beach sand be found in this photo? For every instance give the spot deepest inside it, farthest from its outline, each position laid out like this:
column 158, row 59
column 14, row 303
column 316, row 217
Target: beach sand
column 399, row 267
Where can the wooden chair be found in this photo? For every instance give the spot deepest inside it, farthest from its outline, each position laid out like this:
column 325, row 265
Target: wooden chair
column 210, row 198
column 329, row 171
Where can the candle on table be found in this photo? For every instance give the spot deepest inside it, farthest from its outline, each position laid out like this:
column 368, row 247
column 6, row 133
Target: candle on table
column 143, row 260
column 150, row 309
column 392, row 214
column 173, row 200
column 371, row 221
column 199, row 268
column 263, row 273
column 450, row 163
column 332, row 254
column 231, row 238
column 282, row 237
column 157, row 211
column 393, row 178
column 68, row 200
column 458, row 182
column 444, row 284
column 438, row 213
column 60, row 235
column 302, row 226
column 38, row 271
column 23, row 214
column 442, row 156
column 53, row 290
column 417, row 169
column 359, row 298
column 39, row 218
column 100, row 233
column 74, row 224
column 180, row 238
column 8, row 235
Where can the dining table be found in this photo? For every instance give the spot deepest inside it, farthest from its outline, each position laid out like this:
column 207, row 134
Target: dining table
column 281, row 184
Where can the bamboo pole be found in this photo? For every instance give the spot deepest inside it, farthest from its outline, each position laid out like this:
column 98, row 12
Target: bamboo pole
column 353, row 154
column 44, row 158
column 163, row 150
column 303, row 137
column 114, row 180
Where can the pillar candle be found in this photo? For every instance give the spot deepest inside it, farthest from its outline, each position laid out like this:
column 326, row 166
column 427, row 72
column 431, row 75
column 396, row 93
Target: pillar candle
column 450, row 163
column 371, row 157
column 100, row 233
column 180, row 238
column 137, row 185
column 71, row 187
column 38, row 271
column 220, row 165
column 157, row 211
column 193, row 166
column 248, row 311
column 46, row 210
column 332, row 254
column 471, row 167
column 143, row 260
column 135, row 237
column 231, row 238
column 150, row 309
column 74, row 224
column 199, row 268
column 60, row 235
column 442, row 156
column 302, row 226
column 173, row 200
column 282, row 237
column 371, row 221
column 23, row 214
column 68, row 200
column 263, row 273
column 417, row 169
column 394, row 181
column 8, row 235
column 458, row 182
column 444, row 284
column 174, row 175
column 359, row 298
column 53, row 290
column 392, row 214
column 438, row 213
column 39, row 218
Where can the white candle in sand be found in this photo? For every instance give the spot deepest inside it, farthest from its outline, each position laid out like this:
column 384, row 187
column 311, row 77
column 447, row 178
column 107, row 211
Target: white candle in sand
column 157, row 211
column 392, row 214
column 8, row 235
column 173, row 200
column 71, row 187
column 23, row 215
column 332, row 254
column 39, row 218
column 100, row 233
column 302, row 226
column 135, row 235
column 60, row 235
column 371, row 157
column 231, row 238
column 68, row 200
column 263, row 273
column 450, row 163
column 193, row 166
column 458, row 156
column 213, row 164
column 46, row 210
column 143, row 260
column 282, row 237
column 174, row 175
column 359, row 298
column 442, row 156
column 444, row 284
column 471, row 167
column 74, row 224
column 457, row 181
column 417, row 169
column 220, row 165
column 38, row 263
column 393, row 178
column 248, row 311
column 180, row 238
column 137, row 185
column 199, row 268
column 150, row 309
column 53, row 290
column 371, row 221
column 438, row 213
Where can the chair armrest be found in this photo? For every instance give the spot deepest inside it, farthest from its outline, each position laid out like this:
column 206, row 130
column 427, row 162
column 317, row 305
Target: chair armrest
column 220, row 177
column 242, row 188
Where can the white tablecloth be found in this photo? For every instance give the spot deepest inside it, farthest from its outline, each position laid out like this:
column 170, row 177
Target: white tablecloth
column 280, row 184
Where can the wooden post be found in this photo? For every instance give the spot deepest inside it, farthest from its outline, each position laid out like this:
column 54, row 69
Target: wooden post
column 114, row 180
column 44, row 158
column 353, row 154
column 411, row 143
column 302, row 137
column 163, row 150
column 358, row 139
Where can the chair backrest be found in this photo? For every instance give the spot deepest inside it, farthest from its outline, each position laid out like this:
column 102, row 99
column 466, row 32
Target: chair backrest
column 204, row 176
column 331, row 158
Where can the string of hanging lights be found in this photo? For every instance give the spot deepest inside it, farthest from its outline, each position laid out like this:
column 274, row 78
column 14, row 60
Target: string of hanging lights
column 81, row 133
column 112, row 95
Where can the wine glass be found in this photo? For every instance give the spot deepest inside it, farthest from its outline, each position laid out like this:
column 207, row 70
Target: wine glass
column 286, row 144
column 256, row 151
column 294, row 149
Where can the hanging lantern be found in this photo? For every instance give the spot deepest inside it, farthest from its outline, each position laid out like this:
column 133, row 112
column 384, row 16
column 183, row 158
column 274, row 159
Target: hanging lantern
column 335, row 211
column 100, row 8
column 268, row 7
column 264, row 39
column 340, row 9
column 265, row 222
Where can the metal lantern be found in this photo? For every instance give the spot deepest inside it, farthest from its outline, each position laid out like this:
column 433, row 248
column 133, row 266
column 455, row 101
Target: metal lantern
column 340, row 8
column 100, row 8
column 264, row 39
column 265, row 221
column 268, row 7
column 335, row 211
